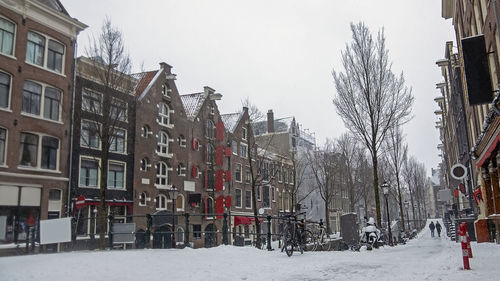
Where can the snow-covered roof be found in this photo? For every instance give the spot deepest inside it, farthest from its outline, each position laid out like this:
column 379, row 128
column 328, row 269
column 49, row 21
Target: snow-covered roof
column 231, row 120
column 192, row 103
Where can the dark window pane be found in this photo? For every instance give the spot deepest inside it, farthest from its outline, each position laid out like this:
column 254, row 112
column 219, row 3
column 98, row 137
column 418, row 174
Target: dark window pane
column 52, row 103
column 31, row 97
column 3, row 140
column 28, row 150
column 49, row 152
column 4, row 90
column 6, row 36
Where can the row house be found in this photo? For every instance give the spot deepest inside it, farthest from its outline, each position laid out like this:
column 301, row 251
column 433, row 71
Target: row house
column 100, row 108
column 477, row 34
column 37, row 43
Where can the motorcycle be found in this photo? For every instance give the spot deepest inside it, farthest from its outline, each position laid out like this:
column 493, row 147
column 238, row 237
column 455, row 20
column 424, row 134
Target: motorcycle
column 371, row 236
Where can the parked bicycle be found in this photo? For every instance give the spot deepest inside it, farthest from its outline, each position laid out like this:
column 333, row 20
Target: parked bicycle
column 321, row 239
column 293, row 235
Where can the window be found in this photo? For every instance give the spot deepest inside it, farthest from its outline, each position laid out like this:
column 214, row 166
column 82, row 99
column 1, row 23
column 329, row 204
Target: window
column 179, row 203
column 117, row 141
column 146, row 131
column 145, row 164
column 286, row 203
column 248, row 177
column 265, row 175
column 285, row 176
column 210, row 129
column 248, row 199
column 164, row 114
column 89, row 172
column 165, row 90
column 244, row 133
column 4, row 88
column 45, row 54
column 238, row 198
column 3, row 145
column 91, row 101
column 181, row 140
column 55, row 194
column 210, row 207
column 90, row 134
column 280, row 201
column 143, row 198
column 266, row 197
column 273, row 195
column 162, row 174
column 210, row 154
column 243, row 150
column 7, row 30
column 161, row 202
column 163, row 141
column 290, row 177
column 234, row 147
column 50, row 146
column 258, row 192
column 181, row 170
column 118, row 110
column 238, row 173
column 116, row 175
column 180, row 235
column 28, row 151
column 196, row 231
column 280, row 179
column 32, row 97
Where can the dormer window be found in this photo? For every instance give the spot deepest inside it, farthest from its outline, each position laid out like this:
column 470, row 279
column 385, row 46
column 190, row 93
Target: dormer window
column 165, row 90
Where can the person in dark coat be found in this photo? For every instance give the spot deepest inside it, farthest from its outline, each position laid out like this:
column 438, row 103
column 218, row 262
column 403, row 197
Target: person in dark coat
column 431, row 226
column 438, row 228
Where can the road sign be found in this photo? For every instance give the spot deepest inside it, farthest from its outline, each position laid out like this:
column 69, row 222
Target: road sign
column 80, row 201
column 458, row 171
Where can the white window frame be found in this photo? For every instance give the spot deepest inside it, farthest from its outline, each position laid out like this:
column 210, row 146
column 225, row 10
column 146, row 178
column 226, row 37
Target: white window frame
column 181, row 170
column 113, row 140
column 121, row 117
column 39, row 154
column 236, row 173
column 183, row 203
column 13, row 55
column 163, row 176
column 9, row 92
column 158, row 200
column 42, row 102
column 143, row 196
column 273, row 194
column 98, row 160
column 145, row 164
column 161, row 144
column 234, row 147
column 165, row 90
column 82, row 143
column 243, row 150
column 4, row 164
column 248, row 207
column 236, row 197
column 99, row 101
column 124, row 175
column 46, row 53
column 244, row 133
column 162, row 115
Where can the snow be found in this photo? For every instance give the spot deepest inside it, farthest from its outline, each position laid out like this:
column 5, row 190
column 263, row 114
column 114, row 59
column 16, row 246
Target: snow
column 424, row 258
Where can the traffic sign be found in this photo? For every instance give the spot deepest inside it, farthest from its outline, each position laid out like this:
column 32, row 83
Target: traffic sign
column 80, row 201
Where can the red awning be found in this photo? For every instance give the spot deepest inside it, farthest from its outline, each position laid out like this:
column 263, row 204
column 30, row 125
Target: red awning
column 244, row 220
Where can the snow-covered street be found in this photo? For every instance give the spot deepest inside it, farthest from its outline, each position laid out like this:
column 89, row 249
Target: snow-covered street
column 424, row 258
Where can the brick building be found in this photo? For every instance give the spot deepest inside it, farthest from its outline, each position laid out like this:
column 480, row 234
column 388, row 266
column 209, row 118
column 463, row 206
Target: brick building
column 36, row 88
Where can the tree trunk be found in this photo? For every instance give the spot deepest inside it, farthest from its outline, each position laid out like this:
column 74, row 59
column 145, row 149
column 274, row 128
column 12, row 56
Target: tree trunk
column 102, row 193
column 401, row 214
column 375, row 187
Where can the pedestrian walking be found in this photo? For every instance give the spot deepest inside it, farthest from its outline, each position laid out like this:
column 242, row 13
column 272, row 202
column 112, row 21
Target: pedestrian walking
column 438, row 228
column 431, row 226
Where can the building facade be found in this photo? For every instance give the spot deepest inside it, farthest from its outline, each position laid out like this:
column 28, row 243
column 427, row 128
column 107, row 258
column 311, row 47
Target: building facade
column 36, row 88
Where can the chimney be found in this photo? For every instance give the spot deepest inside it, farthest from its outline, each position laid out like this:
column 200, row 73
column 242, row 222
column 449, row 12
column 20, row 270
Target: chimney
column 166, row 66
column 270, row 121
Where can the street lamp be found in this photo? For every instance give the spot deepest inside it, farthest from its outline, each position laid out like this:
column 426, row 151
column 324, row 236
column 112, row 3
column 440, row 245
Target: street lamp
column 407, row 206
column 174, row 203
column 385, row 189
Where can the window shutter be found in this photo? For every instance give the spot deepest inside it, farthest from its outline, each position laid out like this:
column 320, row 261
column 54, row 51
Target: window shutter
column 228, row 151
column 206, row 205
column 228, row 176
column 194, row 171
column 228, row 201
column 219, row 206
column 218, row 157
column 195, row 144
column 220, row 131
column 219, row 178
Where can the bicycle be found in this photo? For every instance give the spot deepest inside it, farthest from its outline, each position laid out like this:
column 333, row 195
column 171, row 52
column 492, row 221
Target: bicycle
column 321, row 239
column 293, row 236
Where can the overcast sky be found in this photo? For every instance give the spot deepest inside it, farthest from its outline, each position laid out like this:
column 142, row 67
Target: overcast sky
column 280, row 54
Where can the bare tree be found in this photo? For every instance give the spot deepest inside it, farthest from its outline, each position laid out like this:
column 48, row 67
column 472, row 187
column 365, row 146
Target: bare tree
column 350, row 151
column 109, row 66
column 397, row 152
column 370, row 97
column 324, row 163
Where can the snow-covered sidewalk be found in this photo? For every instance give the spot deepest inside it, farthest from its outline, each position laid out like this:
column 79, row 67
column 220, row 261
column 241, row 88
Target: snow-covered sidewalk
column 424, row 258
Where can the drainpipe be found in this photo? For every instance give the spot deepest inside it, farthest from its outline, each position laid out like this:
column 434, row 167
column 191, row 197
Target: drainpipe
column 68, row 209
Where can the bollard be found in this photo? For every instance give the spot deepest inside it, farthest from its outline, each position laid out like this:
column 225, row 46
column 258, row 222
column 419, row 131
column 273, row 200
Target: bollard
column 269, row 248
column 465, row 252
column 469, row 249
column 149, row 225
column 110, row 231
column 186, row 233
column 224, row 230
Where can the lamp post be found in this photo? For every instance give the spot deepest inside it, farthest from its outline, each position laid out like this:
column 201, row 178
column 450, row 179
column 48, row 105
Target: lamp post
column 407, row 206
column 385, row 189
column 174, row 202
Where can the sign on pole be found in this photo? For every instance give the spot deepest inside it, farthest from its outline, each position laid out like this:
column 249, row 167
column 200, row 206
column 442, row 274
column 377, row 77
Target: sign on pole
column 80, row 201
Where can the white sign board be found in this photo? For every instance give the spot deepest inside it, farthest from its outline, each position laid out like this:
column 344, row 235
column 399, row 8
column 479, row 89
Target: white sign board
column 55, row 231
column 189, row 186
column 444, row 195
column 123, row 232
column 3, row 227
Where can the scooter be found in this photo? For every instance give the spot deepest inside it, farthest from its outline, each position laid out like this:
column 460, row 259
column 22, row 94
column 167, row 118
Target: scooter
column 371, row 235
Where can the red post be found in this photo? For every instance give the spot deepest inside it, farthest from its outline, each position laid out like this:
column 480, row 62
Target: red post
column 465, row 252
column 469, row 249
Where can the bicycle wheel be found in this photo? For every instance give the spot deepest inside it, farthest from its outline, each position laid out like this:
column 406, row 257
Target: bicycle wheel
column 309, row 241
column 326, row 245
column 288, row 244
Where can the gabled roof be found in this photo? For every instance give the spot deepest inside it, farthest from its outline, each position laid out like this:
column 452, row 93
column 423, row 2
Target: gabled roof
column 145, row 79
column 192, row 103
column 231, row 120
